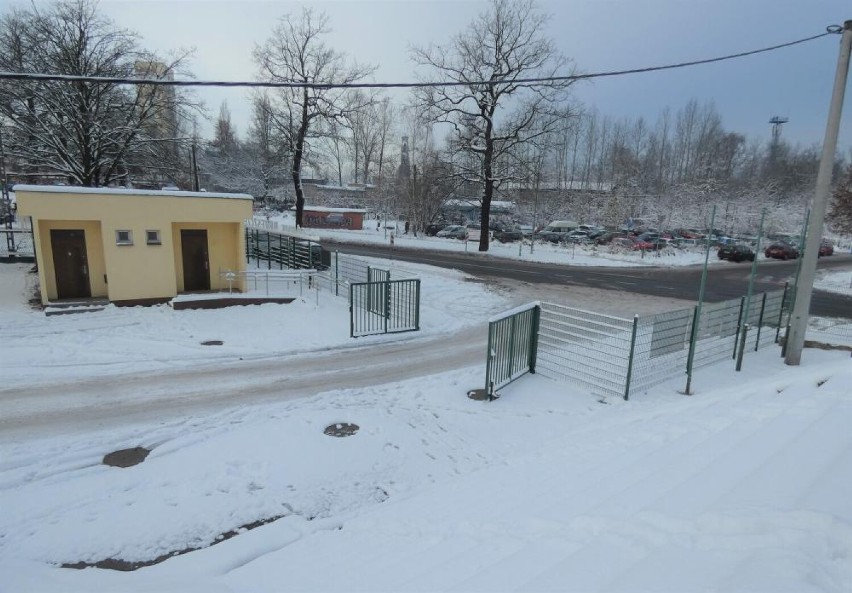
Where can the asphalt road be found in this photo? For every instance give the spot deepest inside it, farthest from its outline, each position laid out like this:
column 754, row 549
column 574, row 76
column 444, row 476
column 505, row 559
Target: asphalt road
column 725, row 281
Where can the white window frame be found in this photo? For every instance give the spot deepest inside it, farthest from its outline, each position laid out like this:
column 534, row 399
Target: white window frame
column 120, row 241
column 155, row 241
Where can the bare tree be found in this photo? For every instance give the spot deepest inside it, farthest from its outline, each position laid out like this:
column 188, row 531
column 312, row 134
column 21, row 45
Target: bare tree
column 295, row 52
column 492, row 112
column 86, row 133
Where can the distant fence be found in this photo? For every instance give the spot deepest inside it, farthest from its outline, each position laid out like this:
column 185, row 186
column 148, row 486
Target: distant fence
column 17, row 242
column 377, row 303
column 613, row 356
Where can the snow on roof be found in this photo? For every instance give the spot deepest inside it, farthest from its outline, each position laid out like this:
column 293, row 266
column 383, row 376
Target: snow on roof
column 121, row 191
column 324, row 209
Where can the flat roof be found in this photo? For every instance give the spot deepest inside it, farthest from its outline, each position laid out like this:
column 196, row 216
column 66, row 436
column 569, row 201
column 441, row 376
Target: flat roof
column 324, row 209
column 123, row 191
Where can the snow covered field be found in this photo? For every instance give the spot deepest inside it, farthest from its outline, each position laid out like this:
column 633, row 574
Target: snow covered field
column 742, row 487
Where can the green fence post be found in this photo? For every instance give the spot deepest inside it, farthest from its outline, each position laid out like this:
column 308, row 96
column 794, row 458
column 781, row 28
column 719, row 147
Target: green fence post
column 417, row 304
column 268, row 251
column 690, row 358
column 386, row 305
column 760, row 323
column 351, row 313
column 630, row 359
column 336, row 273
column 742, row 347
column 739, row 327
column 781, row 312
column 536, row 320
column 489, row 355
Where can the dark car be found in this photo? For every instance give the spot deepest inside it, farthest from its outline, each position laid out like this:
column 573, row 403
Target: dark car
column 432, row 229
column 736, row 253
column 508, row 234
column 781, row 251
column 826, row 248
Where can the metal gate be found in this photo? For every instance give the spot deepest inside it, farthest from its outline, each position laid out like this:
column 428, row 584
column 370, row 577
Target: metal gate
column 512, row 346
column 384, row 307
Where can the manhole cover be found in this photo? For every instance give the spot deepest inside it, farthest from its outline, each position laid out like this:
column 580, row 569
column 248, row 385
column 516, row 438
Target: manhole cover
column 126, row 457
column 481, row 395
column 212, row 343
column 341, row 429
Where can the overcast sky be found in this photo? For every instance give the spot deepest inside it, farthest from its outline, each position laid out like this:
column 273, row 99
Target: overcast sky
column 598, row 35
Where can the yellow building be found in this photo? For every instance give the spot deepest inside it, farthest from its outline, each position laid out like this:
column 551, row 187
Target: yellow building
column 133, row 246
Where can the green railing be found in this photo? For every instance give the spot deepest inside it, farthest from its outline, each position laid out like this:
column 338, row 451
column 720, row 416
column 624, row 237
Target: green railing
column 614, row 357
column 384, row 307
column 512, row 346
column 282, row 251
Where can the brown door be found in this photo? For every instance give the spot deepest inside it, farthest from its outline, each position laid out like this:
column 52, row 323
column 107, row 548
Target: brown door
column 196, row 264
column 70, row 264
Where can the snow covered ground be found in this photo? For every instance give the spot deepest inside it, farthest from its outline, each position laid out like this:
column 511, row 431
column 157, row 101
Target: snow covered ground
column 839, row 281
column 742, row 487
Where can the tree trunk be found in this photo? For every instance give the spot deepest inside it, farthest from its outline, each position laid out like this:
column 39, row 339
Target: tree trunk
column 297, row 162
column 488, row 170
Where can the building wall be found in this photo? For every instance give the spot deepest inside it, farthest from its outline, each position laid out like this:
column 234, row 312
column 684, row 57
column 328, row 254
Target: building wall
column 333, row 218
column 138, row 271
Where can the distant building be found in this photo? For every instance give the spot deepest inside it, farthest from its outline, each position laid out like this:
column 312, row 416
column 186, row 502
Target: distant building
column 315, row 217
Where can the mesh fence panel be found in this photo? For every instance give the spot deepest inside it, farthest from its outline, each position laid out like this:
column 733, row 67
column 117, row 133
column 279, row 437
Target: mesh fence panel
column 662, row 347
column 585, row 348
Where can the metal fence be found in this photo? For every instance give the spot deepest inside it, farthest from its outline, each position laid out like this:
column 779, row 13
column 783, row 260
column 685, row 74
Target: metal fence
column 613, row 356
column 270, row 282
column 284, row 251
column 583, row 347
column 388, row 306
column 512, row 345
column 17, row 243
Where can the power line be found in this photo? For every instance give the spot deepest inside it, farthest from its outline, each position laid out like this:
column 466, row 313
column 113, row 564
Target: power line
column 32, row 76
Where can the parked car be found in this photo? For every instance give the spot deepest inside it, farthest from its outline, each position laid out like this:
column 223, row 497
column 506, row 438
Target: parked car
column 508, row 234
column 781, row 250
column 653, row 240
column 736, row 253
column 557, row 231
column 454, row 231
column 826, row 248
column 608, row 237
column 630, row 244
column 432, row 229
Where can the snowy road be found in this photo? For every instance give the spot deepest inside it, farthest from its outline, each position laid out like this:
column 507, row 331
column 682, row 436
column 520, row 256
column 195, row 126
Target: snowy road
column 139, row 397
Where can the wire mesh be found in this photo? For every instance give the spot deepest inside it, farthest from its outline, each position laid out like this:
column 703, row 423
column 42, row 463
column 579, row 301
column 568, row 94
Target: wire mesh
column 662, row 347
column 585, row 348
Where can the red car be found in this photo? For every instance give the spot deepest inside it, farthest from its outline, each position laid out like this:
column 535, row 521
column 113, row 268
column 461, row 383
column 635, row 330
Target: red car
column 826, row 248
column 632, row 244
column 781, row 251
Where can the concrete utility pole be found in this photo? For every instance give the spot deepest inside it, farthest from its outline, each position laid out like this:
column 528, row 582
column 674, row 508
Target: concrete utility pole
column 805, row 285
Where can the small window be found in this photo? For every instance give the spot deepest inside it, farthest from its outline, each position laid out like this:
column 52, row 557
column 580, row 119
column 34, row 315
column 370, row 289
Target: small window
column 152, row 237
column 124, row 237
